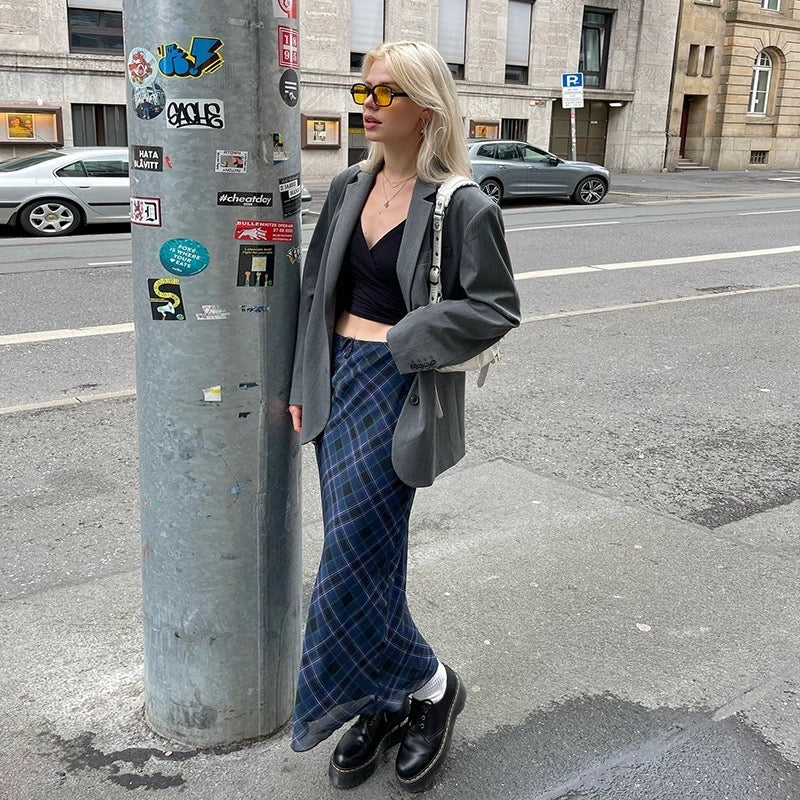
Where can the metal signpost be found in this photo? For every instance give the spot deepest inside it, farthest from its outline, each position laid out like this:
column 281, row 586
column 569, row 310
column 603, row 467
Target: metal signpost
column 215, row 210
column 572, row 98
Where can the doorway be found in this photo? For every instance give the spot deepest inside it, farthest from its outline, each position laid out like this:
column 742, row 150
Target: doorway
column 591, row 125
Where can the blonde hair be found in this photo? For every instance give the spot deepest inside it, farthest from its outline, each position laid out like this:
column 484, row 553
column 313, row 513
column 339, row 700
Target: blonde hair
column 419, row 70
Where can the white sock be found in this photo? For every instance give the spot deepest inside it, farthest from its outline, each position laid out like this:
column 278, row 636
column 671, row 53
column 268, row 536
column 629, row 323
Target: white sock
column 434, row 689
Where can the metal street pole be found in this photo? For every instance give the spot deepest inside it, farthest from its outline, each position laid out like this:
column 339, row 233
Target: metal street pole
column 215, row 160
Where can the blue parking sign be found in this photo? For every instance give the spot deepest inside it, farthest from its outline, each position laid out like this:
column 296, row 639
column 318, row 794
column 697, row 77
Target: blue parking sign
column 572, row 80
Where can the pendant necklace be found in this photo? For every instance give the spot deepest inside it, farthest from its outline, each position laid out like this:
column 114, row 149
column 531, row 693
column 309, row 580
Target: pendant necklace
column 401, row 185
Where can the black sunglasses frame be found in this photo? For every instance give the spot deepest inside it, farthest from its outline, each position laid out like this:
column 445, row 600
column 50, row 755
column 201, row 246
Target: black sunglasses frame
column 371, row 91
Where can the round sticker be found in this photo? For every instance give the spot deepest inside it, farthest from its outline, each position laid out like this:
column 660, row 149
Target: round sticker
column 183, row 256
column 290, row 87
column 142, row 67
column 149, row 101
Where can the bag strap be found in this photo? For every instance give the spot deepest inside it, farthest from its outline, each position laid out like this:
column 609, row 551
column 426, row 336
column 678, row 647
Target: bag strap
column 443, row 196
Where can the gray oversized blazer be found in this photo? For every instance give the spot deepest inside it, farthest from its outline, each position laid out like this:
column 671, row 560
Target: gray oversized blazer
column 480, row 305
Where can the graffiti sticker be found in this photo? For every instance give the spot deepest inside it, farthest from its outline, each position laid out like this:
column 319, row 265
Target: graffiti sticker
column 147, row 159
column 185, row 113
column 288, row 42
column 142, row 67
column 166, row 301
column 146, row 211
column 291, row 194
column 290, row 88
column 256, row 265
column 279, row 152
column 202, row 58
column 183, row 256
column 262, row 230
column 148, row 101
column 244, row 199
column 231, row 161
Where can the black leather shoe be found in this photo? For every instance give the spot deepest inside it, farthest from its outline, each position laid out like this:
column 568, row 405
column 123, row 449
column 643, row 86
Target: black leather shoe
column 427, row 737
column 356, row 756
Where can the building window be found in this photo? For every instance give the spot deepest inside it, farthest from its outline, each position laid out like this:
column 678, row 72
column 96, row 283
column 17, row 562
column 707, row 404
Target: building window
column 95, row 125
column 92, row 30
column 366, row 29
column 759, row 89
column 708, row 62
column 595, row 40
column 514, row 129
column 518, row 41
column 758, row 156
column 452, row 36
column 694, row 58
column 771, row 5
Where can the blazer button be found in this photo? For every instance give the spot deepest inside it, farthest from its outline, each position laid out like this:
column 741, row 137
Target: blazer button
column 414, row 400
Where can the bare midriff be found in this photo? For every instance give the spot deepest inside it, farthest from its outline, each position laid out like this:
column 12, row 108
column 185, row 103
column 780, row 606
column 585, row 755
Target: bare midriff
column 359, row 328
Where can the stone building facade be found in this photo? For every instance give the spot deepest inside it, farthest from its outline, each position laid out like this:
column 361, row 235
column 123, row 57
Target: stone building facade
column 736, row 98
column 62, row 72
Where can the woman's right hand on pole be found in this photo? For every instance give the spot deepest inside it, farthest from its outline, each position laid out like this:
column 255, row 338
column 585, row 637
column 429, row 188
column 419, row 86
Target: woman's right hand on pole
column 297, row 418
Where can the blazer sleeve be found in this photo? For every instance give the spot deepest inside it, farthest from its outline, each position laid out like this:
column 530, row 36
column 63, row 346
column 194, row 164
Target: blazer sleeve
column 436, row 335
column 312, row 265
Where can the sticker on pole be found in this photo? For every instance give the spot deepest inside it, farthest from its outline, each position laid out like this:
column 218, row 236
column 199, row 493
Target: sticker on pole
column 285, row 8
column 146, row 211
column 196, row 114
column 290, row 88
column 256, row 265
column 183, row 256
column 166, row 301
column 288, row 39
column 263, row 230
column 142, row 67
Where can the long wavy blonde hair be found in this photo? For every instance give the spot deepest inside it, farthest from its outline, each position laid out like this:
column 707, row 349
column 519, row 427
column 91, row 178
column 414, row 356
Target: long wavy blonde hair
column 419, row 70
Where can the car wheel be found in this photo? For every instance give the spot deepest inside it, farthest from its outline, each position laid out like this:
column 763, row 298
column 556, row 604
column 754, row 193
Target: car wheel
column 492, row 189
column 50, row 218
column 590, row 191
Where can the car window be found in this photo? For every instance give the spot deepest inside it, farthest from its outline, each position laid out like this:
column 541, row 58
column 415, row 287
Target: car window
column 20, row 162
column 486, row 151
column 74, row 170
column 507, row 152
column 532, row 154
column 106, row 167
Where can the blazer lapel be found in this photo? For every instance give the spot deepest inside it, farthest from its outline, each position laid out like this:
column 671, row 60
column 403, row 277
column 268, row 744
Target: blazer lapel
column 418, row 224
column 355, row 195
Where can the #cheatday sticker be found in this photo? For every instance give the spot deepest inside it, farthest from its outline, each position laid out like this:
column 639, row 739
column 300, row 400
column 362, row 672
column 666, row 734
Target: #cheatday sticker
column 183, row 256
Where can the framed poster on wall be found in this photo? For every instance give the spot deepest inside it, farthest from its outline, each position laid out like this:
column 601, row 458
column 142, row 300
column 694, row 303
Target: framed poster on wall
column 319, row 132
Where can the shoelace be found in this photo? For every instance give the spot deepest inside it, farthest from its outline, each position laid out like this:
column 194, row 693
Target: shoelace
column 419, row 711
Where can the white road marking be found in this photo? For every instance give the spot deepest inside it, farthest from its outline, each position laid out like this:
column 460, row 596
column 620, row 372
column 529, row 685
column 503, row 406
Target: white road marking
column 63, row 402
column 565, row 225
column 659, row 262
column 108, row 263
column 629, row 306
column 65, row 333
column 761, row 213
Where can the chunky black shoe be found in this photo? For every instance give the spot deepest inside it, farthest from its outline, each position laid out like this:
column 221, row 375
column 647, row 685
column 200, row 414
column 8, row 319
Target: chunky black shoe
column 427, row 737
column 359, row 750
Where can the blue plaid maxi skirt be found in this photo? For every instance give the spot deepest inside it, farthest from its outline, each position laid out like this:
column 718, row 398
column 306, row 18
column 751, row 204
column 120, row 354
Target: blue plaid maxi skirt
column 362, row 651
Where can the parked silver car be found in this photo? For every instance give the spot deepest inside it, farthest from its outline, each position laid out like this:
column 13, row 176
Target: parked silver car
column 54, row 192
column 505, row 168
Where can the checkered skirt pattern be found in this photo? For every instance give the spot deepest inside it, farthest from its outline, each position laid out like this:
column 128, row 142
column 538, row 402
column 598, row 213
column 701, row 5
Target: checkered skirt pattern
column 362, row 651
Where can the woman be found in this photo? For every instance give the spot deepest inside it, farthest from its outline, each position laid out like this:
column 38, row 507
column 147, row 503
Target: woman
column 383, row 421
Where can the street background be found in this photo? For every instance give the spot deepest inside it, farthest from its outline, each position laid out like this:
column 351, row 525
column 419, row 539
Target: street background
column 613, row 568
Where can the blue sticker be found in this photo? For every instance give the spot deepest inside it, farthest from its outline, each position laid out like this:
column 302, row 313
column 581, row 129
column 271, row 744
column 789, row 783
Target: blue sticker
column 183, row 256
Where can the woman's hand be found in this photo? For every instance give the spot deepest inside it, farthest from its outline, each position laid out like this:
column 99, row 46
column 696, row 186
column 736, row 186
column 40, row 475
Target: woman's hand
column 297, row 418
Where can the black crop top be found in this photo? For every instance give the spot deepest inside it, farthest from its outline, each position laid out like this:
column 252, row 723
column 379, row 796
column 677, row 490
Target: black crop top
column 368, row 286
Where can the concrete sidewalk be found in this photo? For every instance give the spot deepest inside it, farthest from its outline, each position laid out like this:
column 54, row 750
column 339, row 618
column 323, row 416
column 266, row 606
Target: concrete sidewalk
column 606, row 649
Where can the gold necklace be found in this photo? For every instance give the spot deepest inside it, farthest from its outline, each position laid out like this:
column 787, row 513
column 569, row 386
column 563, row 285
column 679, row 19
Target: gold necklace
column 401, row 185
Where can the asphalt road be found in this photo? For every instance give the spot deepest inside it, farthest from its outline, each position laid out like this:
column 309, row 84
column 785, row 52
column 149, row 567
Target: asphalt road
column 632, row 465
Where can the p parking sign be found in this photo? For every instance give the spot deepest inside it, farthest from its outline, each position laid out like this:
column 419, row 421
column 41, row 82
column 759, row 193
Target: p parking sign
column 572, row 90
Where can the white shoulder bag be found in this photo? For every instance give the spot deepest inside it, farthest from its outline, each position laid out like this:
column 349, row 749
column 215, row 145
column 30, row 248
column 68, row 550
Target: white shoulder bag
column 491, row 355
